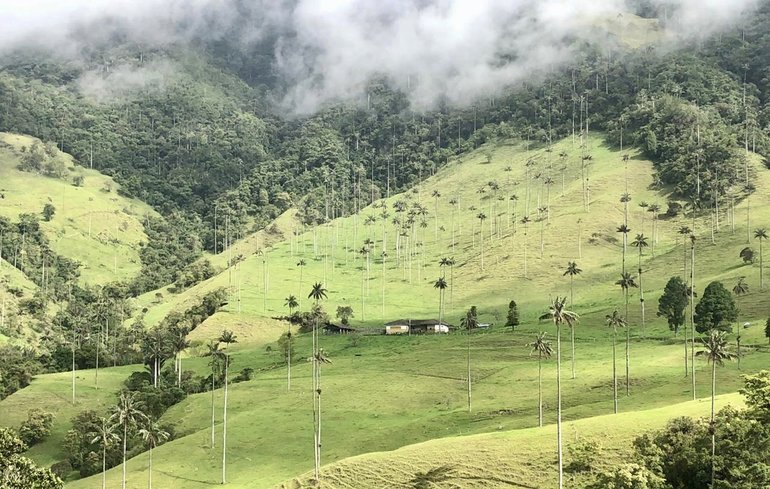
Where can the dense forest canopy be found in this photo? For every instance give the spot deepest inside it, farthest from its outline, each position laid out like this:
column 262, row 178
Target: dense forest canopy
column 201, row 135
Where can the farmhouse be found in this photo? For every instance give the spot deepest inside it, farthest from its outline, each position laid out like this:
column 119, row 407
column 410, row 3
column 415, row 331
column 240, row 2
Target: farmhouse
column 416, row 326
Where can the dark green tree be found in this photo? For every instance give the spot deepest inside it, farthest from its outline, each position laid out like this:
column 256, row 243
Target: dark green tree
column 513, row 315
column 672, row 304
column 716, row 309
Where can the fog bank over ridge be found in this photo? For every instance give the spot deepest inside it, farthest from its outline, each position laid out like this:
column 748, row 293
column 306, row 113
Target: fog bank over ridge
column 327, row 50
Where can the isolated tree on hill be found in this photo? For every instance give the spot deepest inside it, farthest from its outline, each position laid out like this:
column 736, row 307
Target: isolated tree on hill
column 227, row 337
column 344, row 313
column 105, row 436
column 441, row 285
column 761, row 235
column 153, row 435
column 747, row 255
column 513, row 315
column 716, row 309
column 626, row 283
column 615, row 321
column 672, row 305
column 127, row 414
column 640, row 242
column 558, row 313
column 716, row 352
column 317, row 293
column 572, row 270
column 542, row 347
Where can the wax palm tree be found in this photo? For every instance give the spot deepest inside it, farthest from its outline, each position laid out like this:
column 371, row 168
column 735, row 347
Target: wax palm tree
column 615, row 321
column 441, row 285
column 558, row 313
column 212, row 350
column 749, row 188
column 741, row 287
column 625, row 199
column 179, row 343
column 317, row 293
column 716, row 352
column 626, row 283
column 572, row 270
column 126, row 414
column 105, row 436
column 623, row 228
column 301, row 265
column 436, row 195
column 640, row 243
column 685, row 232
column 291, row 303
column 227, row 338
column 469, row 322
column 525, row 221
column 153, row 435
column 542, row 347
column 481, row 217
column 655, row 210
column 761, row 235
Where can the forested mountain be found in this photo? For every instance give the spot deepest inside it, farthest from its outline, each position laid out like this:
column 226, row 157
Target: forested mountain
column 215, row 153
column 197, row 133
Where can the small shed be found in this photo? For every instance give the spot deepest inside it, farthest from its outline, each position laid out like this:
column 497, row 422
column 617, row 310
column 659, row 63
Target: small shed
column 338, row 329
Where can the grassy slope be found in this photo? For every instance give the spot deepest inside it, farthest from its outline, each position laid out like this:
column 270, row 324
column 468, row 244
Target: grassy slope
column 100, row 229
column 385, row 393
column 12, row 277
column 507, row 459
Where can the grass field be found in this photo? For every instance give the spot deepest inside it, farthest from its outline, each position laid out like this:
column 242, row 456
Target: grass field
column 383, row 393
column 99, row 228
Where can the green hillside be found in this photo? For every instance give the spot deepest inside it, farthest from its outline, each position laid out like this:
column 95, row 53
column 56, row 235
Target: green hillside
column 382, row 393
column 92, row 224
column 588, row 236
column 510, row 458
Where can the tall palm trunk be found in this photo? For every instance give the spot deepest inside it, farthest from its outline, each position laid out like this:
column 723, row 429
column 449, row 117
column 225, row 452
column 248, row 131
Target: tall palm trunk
column 104, row 465
column 125, row 436
column 572, row 329
column 149, row 477
column 540, row 389
column 713, row 428
column 213, row 417
column 641, row 289
column 224, row 428
column 761, row 266
column 614, row 371
column 558, row 406
column 628, row 351
column 469, row 371
column 692, row 319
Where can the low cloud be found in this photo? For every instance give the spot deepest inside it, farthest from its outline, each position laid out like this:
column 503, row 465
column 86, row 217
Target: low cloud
column 325, row 50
